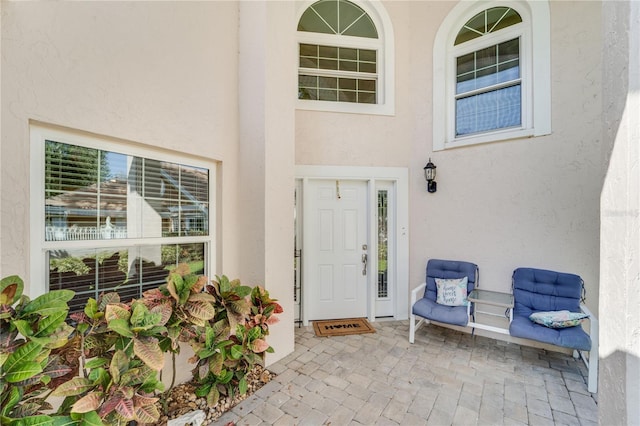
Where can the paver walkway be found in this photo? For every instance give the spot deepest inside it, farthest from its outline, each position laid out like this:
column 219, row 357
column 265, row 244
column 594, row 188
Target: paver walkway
column 444, row 378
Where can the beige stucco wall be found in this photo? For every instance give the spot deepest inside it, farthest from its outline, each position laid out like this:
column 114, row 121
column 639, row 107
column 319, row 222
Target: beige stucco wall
column 531, row 202
column 619, row 384
column 162, row 75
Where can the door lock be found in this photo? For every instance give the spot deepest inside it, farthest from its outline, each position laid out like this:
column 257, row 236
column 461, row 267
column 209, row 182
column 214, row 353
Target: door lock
column 364, row 263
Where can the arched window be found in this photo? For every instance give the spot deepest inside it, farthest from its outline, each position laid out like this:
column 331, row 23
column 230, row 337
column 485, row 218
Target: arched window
column 343, row 61
column 489, row 60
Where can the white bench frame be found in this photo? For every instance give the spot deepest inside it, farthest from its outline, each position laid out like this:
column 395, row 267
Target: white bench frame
column 591, row 361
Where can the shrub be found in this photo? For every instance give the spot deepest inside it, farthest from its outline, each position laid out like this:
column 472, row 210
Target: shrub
column 118, row 348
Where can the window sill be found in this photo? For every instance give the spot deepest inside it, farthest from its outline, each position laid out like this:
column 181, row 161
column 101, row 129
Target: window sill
column 487, row 138
column 346, row 107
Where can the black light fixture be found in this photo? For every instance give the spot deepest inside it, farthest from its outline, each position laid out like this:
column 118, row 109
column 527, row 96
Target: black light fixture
column 430, row 176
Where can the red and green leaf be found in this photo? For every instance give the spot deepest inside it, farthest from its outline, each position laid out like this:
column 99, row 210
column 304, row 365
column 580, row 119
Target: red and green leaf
column 89, row 402
column 149, row 352
column 75, row 386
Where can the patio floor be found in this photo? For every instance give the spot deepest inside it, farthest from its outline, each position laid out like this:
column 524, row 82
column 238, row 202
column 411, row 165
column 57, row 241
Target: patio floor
column 445, row 377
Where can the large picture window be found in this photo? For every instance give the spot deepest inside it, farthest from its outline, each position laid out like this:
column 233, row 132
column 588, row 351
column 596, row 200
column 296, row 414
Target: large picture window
column 118, row 221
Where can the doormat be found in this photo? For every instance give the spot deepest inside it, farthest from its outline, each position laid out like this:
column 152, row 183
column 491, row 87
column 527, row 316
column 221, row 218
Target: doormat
column 342, row 327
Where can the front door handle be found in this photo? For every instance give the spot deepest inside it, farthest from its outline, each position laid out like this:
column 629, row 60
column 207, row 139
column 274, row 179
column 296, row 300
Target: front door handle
column 364, row 263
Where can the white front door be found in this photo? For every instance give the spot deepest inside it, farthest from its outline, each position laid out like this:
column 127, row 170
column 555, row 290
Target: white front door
column 337, row 286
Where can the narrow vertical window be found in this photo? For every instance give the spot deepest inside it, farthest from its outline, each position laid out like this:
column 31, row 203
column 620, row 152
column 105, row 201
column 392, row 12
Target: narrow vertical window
column 383, row 247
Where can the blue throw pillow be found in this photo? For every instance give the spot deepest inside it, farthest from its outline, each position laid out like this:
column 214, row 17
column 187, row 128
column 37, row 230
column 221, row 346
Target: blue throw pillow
column 558, row 319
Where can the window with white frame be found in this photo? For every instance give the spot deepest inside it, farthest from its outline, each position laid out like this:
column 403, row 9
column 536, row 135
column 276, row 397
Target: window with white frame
column 343, row 63
column 486, row 71
column 114, row 219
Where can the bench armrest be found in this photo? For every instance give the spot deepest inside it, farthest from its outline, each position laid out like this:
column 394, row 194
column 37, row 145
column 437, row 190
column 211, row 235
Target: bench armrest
column 417, row 291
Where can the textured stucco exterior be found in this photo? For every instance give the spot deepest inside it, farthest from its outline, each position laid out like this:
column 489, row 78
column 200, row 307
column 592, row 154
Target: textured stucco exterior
column 163, row 75
column 619, row 385
column 217, row 80
column 530, row 202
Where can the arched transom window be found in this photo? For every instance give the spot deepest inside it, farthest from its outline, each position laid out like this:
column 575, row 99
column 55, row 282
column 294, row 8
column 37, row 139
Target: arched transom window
column 340, row 54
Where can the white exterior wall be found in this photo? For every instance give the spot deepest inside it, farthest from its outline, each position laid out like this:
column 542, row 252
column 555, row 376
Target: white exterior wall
column 619, row 384
column 266, row 157
column 531, row 202
column 157, row 74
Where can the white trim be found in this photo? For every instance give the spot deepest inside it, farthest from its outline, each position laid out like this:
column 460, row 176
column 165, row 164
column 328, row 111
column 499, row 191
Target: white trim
column 385, row 44
column 535, row 55
column 39, row 132
column 400, row 177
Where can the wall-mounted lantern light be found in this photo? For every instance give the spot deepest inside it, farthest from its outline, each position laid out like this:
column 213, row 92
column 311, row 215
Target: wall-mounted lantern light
column 430, row 176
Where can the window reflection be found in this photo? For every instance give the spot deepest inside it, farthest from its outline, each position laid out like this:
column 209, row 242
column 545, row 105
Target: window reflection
column 92, row 194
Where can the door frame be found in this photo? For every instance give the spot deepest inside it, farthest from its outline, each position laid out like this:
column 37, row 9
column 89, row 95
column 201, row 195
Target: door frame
column 399, row 176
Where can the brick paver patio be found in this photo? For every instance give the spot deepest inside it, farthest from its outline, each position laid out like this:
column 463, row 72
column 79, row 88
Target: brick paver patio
column 445, row 378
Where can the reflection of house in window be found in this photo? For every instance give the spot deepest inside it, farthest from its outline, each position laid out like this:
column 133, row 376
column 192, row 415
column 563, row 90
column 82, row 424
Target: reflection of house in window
column 158, row 211
column 157, row 199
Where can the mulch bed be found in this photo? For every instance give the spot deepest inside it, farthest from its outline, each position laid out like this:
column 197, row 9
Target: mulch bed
column 182, row 398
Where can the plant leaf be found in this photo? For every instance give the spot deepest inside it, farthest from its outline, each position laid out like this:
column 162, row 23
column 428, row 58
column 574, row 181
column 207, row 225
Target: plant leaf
column 199, row 285
column 11, row 288
column 75, row 386
column 95, row 363
column 165, row 311
column 63, row 421
column 23, row 371
column 91, row 419
column 202, row 297
column 124, row 407
column 145, row 411
column 243, row 386
column 201, row 309
column 107, row 299
column 49, row 324
column 58, row 338
column 215, row 363
column 236, row 352
column 24, row 327
column 15, row 395
column 91, row 308
column 89, row 402
column 119, row 363
column 259, row 345
column 36, row 421
column 149, row 352
column 27, row 352
column 138, row 314
column 120, row 326
column 49, row 303
column 115, row 311
column 213, row 396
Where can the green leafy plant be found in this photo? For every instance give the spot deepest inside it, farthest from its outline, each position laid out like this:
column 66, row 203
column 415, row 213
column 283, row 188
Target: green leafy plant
column 120, row 376
column 107, row 367
column 29, row 331
column 233, row 341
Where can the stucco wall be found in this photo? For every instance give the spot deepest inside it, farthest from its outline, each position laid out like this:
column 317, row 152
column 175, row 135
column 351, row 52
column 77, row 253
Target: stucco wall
column 531, row 202
column 619, row 384
column 114, row 69
column 157, row 74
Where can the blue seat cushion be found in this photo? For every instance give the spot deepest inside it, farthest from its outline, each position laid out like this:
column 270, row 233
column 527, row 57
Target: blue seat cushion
column 571, row 337
column 536, row 290
column 448, row 269
column 429, row 309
